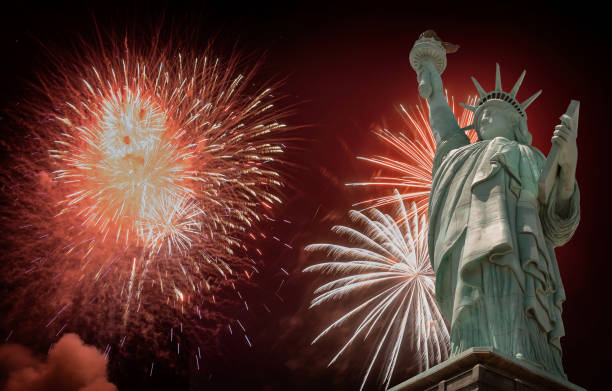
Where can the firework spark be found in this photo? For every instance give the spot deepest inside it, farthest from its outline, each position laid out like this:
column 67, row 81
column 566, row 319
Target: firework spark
column 412, row 171
column 390, row 265
column 141, row 180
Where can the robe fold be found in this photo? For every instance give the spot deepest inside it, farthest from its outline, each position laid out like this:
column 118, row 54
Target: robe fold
column 491, row 244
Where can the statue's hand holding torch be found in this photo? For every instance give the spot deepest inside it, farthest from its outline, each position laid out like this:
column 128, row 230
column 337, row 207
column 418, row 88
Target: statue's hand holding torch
column 428, row 59
column 428, row 78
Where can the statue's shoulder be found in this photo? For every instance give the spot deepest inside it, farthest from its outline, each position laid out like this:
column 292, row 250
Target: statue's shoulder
column 526, row 150
column 533, row 151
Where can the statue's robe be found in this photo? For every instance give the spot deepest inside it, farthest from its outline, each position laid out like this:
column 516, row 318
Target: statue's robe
column 491, row 244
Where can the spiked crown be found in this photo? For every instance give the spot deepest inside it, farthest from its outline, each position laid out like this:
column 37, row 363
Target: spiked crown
column 499, row 95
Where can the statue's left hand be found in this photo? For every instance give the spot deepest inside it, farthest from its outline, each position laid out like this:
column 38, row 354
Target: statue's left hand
column 565, row 137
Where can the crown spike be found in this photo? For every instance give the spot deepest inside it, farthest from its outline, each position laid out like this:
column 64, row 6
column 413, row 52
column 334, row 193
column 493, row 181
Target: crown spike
column 469, row 127
column 468, row 107
column 517, row 85
column 529, row 100
column 498, row 83
column 481, row 91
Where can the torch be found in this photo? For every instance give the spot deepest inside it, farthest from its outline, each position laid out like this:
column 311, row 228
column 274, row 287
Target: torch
column 429, row 50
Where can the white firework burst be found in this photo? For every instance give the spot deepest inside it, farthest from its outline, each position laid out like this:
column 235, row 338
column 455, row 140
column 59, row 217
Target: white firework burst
column 388, row 261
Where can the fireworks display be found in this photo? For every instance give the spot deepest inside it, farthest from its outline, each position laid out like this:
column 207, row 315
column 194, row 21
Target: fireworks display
column 137, row 192
column 412, row 170
column 157, row 154
column 391, row 264
column 388, row 263
column 155, row 207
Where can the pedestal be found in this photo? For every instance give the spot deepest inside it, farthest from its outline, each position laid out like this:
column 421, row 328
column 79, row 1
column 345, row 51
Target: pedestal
column 485, row 369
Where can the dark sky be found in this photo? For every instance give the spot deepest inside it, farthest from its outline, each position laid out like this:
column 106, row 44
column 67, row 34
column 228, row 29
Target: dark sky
column 346, row 67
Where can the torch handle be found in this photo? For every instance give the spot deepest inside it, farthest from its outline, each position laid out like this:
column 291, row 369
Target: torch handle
column 428, row 59
column 424, row 79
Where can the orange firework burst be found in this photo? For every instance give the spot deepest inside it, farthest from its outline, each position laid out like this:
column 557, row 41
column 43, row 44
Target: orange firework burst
column 143, row 179
column 158, row 153
column 413, row 169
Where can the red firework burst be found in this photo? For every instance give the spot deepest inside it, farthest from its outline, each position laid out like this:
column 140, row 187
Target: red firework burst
column 411, row 173
column 140, row 183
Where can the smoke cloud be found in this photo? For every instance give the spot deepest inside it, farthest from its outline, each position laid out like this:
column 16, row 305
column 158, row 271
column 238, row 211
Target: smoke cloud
column 70, row 366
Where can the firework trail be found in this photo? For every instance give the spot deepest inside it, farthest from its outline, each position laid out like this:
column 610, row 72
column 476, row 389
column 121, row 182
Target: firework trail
column 389, row 264
column 412, row 170
column 139, row 186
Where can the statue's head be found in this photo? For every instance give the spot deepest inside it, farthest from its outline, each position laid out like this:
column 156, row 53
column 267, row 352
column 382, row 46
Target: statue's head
column 498, row 119
column 499, row 114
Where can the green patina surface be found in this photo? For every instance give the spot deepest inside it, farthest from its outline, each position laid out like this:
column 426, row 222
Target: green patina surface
column 492, row 246
column 492, row 236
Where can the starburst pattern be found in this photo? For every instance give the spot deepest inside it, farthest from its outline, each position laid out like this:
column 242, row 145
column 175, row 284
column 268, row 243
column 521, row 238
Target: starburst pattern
column 387, row 261
column 158, row 153
column 411, row 171
column 140, row 182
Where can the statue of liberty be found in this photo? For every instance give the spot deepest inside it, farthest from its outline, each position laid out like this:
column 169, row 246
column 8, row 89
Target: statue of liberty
column 498, row 207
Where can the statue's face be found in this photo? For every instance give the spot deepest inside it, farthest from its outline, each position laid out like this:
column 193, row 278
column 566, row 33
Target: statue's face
column 497, row 120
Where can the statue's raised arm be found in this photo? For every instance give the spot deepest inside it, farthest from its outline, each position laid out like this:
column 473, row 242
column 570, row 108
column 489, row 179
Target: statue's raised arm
column 428, row 59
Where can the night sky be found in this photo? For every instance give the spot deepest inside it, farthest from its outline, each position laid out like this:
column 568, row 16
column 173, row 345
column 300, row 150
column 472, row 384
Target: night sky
column 345, row 68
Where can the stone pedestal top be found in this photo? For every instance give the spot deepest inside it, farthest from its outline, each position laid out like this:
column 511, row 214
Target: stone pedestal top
column 485, row 369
